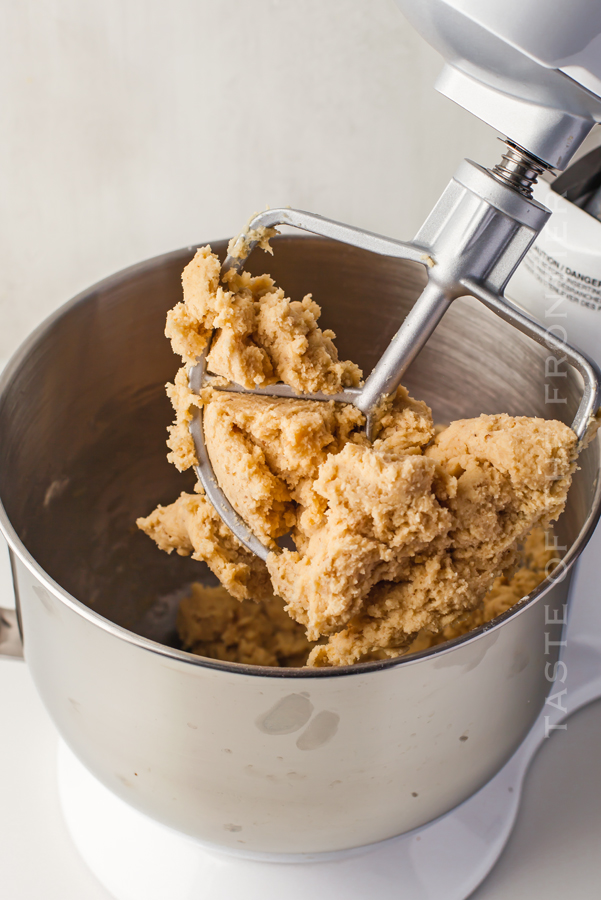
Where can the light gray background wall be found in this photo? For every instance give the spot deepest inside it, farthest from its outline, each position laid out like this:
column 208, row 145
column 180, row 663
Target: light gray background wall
column 132, row 128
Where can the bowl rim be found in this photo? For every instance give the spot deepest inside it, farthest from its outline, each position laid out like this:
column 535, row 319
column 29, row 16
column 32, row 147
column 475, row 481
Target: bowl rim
column 17, row 546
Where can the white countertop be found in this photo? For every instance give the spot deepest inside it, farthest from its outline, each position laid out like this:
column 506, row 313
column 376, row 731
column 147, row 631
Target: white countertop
column 552, row 853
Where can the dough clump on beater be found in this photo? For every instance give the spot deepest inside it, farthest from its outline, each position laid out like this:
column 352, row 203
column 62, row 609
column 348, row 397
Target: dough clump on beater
column 394, row 540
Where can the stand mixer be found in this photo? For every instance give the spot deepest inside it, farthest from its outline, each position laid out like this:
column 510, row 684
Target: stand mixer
column 542, row 92
column 539, row 86
column 533, row 72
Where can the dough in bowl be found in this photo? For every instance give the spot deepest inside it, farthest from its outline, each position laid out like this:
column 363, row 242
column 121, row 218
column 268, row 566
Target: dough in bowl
column 396, row 542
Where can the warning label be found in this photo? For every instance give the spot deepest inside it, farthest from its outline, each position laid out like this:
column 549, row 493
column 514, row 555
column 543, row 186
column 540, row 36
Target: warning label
column 578, row 287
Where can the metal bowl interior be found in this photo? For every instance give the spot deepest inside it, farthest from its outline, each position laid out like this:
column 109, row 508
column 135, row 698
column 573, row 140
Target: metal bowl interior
column 83, row 413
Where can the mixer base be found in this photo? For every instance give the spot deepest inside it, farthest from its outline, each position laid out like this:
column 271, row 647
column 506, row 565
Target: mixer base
column 136, row 858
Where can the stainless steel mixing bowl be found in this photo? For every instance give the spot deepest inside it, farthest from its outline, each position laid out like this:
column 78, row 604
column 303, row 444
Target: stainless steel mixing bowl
column 282, row 761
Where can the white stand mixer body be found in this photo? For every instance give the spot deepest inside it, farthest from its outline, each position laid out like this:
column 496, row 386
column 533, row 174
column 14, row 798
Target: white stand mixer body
column 559, row 281
column 529, row 68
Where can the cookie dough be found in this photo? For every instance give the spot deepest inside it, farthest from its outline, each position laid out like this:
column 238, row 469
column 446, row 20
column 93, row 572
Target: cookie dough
column 536, row 559
column 394, row 539
column 212, row 623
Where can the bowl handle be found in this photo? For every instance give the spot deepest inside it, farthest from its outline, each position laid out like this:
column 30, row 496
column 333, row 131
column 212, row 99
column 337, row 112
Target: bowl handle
column 10, row 636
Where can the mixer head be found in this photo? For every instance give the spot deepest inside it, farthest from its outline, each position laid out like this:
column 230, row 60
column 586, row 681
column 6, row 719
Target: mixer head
column 529, row 68
column 471, row 243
